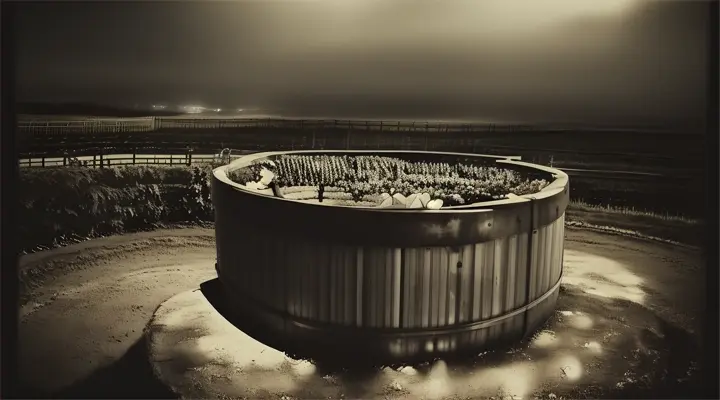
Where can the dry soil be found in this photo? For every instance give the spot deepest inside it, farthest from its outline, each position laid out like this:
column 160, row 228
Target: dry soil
column 87, row 305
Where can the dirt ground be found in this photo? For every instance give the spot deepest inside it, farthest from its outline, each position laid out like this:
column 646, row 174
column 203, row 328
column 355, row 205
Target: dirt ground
column 638, row 303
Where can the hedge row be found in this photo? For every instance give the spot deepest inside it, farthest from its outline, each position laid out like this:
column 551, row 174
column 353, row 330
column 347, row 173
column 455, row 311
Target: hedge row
column 60, row 205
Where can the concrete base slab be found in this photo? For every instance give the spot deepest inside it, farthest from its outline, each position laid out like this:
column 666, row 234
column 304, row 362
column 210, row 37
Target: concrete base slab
column 593, row 347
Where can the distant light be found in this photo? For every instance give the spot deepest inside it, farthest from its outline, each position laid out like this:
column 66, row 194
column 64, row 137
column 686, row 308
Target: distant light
column 218, row 109
column 192, row 109
column 240, row 110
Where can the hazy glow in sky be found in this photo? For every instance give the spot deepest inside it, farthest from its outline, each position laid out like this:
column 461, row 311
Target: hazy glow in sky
column 552, row 9
column 533, row 15
column 515, row 14
column 589, row 60
column 357, row 23
column 557, row 10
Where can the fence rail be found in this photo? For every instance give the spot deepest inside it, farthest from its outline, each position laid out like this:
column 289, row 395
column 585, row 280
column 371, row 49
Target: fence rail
column 114, row 160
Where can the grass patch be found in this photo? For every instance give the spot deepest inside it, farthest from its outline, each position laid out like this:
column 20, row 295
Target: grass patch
column 634, row 222
column 581, row 205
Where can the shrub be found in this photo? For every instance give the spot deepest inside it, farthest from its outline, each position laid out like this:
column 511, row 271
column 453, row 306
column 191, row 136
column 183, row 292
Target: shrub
column 58, row 204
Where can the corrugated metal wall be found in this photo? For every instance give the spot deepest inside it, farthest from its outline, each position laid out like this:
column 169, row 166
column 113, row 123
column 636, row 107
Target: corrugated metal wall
column 399, row 301
column 411, row 288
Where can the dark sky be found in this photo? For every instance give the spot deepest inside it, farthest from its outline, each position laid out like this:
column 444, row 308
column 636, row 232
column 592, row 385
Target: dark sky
column 615, row 62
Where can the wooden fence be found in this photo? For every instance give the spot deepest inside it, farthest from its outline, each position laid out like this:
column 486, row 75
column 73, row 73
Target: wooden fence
column 114, row 160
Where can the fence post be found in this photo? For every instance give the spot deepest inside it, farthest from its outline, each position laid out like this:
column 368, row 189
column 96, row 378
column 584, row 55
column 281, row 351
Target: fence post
column 42, row 161
column 94, row 160
column 64, row 161
column 101, row 159
column 133, row 158
column 189, row 157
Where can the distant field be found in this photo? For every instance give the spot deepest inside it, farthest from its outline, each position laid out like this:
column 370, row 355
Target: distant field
column 612, row 150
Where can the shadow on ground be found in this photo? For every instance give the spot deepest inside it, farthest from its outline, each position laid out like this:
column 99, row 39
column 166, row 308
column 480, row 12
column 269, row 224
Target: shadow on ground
column 130, row 377
column 324, row 357
column 659, row 359
column 639, row 354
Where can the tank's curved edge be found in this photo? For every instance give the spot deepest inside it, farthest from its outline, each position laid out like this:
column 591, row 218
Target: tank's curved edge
column 452, row 226
column 310, row 339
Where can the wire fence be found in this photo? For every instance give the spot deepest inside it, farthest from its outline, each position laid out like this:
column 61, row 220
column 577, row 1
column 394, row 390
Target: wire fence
column 327, row 124
column 148, row 124
column 95, row 125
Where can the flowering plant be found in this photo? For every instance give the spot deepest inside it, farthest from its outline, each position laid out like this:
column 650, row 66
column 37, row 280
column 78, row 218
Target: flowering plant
column 362, row 176
column 415, row 200
column 263, row 175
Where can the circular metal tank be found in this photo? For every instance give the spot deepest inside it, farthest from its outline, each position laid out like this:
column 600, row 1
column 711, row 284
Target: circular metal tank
column 391, row 284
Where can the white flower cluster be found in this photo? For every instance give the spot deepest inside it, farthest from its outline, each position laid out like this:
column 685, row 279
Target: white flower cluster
column 265, row 173
column 415, row 200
